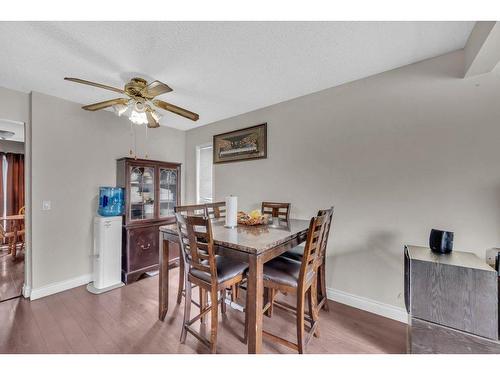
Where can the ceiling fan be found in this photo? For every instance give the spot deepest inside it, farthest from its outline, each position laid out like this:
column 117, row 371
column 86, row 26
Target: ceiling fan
column 141, row 105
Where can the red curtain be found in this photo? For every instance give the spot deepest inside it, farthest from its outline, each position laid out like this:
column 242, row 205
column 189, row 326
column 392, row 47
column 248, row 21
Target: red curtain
column 15, row 183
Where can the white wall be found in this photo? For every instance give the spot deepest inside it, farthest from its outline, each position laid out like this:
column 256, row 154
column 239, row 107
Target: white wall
column 73, row 153
column 397, row 154
column 14, row 105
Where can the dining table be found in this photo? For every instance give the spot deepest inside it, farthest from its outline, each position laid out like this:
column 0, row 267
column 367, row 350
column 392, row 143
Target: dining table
column 254, row 245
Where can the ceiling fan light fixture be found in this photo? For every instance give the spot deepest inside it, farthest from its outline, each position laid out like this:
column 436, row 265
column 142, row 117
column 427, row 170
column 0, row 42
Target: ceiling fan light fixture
column 140, row 105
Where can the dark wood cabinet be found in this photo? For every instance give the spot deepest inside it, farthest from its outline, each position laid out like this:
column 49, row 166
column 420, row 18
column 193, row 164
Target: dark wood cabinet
column 152, row 190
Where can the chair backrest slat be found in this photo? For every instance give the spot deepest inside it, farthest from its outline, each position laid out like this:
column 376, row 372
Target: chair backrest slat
column 275, row 209
column 312, row 248
column 216, row 210
column 192, row 210
column 326, row 232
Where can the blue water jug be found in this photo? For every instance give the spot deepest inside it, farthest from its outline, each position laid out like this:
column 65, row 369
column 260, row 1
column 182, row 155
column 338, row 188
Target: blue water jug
column 111, row 201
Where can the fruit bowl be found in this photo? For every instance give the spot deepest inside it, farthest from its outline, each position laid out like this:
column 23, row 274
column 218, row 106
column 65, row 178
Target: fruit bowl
column 253, row 218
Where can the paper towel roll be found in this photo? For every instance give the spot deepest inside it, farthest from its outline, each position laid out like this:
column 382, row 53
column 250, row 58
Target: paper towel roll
column 231, row 211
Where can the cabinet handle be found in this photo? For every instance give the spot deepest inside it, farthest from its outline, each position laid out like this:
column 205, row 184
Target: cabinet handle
column 145, row 247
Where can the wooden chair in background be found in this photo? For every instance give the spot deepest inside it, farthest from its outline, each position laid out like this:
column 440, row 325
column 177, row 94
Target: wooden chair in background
column 21, row 231
column 275, row 209
column 209, row 272
column 9, row 238
column 216, row 210
column 299, row 278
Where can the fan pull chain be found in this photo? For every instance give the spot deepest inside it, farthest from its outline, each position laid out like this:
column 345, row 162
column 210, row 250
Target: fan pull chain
column 146, row 145
column 135, row 143
column 131, row 152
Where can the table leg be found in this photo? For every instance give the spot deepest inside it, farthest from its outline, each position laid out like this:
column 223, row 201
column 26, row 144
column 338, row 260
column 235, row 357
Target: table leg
column 255, row 294
column 163, row 279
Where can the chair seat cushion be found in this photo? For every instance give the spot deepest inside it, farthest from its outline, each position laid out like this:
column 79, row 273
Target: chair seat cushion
column 283, row 271
column 296, row 253
column 226, row 269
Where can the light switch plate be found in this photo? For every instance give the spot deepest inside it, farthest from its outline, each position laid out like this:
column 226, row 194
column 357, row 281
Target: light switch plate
column 46, row 205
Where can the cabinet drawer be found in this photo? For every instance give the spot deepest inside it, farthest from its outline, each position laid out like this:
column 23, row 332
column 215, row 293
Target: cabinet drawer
column 143, row 247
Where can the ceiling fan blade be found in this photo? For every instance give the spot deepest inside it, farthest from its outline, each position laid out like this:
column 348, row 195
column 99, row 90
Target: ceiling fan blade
column 152, row 123
column 155, row 88
column 177, row 110
column 100, row 85
column 105, row 104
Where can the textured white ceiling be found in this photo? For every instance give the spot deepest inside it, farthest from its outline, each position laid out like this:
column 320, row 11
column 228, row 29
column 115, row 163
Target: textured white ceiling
column 217, row 69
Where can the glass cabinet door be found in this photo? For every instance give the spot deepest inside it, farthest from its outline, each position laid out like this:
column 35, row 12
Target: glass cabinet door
column 142, row 193
column 168, row 192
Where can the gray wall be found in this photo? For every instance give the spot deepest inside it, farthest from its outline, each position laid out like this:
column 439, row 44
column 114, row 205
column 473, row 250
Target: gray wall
column 397, row 154
column 73, row 153
column 11, row 146
column 14, row 105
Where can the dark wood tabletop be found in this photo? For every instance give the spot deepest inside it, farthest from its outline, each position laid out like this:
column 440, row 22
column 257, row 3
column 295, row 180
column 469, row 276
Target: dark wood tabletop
column 252, row 239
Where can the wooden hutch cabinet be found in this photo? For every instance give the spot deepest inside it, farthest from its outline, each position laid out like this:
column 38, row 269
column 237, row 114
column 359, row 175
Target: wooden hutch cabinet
column 152, row 190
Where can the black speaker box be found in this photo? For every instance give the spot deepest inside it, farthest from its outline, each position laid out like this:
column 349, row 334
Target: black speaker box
column 441, row 241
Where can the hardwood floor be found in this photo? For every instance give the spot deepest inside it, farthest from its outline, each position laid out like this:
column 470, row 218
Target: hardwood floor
column 125, row 321
column 11, row 274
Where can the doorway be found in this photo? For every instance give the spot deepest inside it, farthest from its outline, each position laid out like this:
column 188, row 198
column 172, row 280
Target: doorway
column 12, row 209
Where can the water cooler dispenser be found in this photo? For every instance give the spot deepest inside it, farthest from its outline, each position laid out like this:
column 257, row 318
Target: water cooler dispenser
column 107, row 257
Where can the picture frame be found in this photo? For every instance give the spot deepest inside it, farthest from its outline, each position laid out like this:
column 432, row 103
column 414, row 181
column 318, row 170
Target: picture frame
column 240, row 145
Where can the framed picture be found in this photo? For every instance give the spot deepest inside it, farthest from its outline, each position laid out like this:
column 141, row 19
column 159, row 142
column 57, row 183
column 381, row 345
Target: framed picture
column 243, row 144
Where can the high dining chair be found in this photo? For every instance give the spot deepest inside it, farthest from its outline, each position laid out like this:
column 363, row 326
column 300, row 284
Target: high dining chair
column 299, row 278
column 189, row 210
column 216, row 210
column 275, row 209
column 297, row 253
column 207, row 271
column 20, row 228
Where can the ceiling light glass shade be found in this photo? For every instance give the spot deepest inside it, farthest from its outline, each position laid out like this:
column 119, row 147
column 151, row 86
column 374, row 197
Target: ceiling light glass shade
column 120, row 109
column 156, row 116
column 135, row 110
column 138, row 118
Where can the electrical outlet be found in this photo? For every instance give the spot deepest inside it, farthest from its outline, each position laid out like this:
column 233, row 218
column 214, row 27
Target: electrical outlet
column 46, row 205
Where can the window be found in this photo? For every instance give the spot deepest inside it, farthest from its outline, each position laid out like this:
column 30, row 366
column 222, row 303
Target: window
column 204, row 180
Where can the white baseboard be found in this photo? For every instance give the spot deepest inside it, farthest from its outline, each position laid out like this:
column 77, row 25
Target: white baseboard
column 60, row 286
column 26, row 291
column 363, row 303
